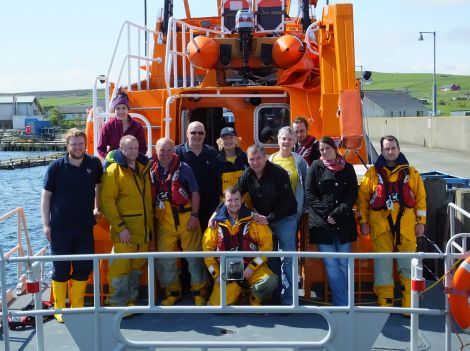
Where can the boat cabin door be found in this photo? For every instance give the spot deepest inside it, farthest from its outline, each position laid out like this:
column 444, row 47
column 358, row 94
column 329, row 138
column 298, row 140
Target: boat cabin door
column 213, row 118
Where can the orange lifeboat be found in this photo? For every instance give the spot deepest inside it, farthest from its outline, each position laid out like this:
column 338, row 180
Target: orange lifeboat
column 287, row 51
column 459, row 300
column 203, row 52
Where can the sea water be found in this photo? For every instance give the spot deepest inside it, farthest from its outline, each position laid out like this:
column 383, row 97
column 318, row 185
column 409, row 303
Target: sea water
column 21, row 188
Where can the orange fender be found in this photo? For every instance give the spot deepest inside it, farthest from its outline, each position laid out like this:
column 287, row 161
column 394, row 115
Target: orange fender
column 459, row 299
column 89, row 132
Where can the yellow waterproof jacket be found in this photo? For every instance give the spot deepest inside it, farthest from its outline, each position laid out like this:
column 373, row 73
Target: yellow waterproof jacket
column 377, row 219
column 260, row 234
column 126, row 198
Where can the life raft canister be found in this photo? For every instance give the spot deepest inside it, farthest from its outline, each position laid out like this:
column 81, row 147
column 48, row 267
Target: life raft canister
column 397, row 191
column 459, row 297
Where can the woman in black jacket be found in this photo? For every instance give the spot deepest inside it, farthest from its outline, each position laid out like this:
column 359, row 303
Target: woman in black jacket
column 331, row 189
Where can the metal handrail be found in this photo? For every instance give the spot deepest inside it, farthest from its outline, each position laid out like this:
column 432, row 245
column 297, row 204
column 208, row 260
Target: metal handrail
column 172, row 52
column 151, row 307
column 19, row 250
column 98, row 117
column 129, row 25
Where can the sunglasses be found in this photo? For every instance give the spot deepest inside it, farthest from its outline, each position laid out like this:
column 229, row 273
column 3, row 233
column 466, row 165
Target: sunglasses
column 198, row 133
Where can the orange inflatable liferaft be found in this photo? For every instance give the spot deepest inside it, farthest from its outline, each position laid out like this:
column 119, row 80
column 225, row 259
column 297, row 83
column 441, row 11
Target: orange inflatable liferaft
column 89, row 132
column 287, row 51
column 459, row 298
column 203, row 52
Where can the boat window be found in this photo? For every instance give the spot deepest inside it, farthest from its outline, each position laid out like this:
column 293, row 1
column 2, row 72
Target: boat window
column 269, row 118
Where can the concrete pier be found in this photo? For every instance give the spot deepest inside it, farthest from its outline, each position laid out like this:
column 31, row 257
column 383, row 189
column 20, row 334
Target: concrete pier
column 26, row 146
column 28, row 162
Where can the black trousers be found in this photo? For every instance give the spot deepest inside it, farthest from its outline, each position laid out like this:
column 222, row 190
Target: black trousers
column 72, row 241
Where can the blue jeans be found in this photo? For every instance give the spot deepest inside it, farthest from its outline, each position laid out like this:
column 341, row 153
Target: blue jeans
column 284, row 234
column 337, row 271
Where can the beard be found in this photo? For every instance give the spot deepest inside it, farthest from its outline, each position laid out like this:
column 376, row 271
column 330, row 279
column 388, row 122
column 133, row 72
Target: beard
column 76, row 155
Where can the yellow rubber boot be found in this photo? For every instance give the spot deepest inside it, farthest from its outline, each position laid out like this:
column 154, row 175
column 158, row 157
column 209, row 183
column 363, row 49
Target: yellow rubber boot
column 405, row 293
column 60, row 291
column 384, row 295
column 173, row 294
column 199, row 293
column 254, row 301
column 77, row 293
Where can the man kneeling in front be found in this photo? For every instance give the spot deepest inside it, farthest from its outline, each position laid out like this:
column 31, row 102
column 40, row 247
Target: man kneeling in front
column 235, row 230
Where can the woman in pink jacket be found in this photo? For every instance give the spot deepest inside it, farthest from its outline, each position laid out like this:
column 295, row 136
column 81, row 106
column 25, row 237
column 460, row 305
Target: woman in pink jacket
column 122, row 124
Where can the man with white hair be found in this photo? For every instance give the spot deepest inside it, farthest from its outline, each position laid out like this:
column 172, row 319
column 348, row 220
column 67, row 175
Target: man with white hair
column 177, row 199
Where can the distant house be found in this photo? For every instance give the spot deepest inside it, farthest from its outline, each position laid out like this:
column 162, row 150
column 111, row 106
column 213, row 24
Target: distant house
column 390, row 103
column 460, row 113
column 451, row 87
column 18, row 105
column 73, row 111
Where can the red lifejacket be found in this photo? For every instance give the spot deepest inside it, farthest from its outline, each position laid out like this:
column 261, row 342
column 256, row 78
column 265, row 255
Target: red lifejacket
column 171, row 187
column 241, row 241
column 388, row 192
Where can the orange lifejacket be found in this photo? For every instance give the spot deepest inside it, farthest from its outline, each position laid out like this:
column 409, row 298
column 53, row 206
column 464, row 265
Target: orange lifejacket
column 171, row 187
column 241, row 241
column 388, row 192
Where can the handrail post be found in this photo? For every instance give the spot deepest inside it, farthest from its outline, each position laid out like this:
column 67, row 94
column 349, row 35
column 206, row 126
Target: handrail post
column 417, row 284
column 3, row 279
column 36, row 273
column 96, row 301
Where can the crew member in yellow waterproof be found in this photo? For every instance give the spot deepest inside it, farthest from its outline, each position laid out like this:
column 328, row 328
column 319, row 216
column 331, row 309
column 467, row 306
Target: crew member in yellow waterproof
column 236, row 230
column 126, row 201
column 177, row 198
column 392, row 205
column 231, row 161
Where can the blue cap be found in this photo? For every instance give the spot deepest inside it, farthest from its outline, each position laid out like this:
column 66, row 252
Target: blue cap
column 228, row 131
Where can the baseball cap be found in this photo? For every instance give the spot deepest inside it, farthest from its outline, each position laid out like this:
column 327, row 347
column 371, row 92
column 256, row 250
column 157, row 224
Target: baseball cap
column 228, row 131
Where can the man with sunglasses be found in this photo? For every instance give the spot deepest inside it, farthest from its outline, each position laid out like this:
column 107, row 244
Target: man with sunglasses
column 201, row 157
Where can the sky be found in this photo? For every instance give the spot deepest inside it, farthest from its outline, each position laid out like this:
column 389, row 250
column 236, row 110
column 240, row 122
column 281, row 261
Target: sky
column 61, row 45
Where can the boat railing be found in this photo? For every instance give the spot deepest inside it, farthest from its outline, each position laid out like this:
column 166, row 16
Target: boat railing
column 99, row 118
column 137, row 55
column 176, row 55
column 22, row 241
column 104, row 322
column 456, row 245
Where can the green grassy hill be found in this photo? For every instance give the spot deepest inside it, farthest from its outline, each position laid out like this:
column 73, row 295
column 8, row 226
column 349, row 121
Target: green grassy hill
column 419, row 85
column 67, row 97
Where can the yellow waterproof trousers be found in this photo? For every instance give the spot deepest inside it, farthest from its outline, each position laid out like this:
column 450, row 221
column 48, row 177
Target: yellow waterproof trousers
column 168, row 236
column 124, row 275
column 383, row 267
column 262, row 283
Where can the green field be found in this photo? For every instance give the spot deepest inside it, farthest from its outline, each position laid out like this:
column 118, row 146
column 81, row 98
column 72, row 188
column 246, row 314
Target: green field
column 64, row 98
column 419, row 85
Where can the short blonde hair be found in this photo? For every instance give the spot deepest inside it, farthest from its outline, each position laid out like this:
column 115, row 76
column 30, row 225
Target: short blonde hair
column 74, row 132
column 220, row 143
